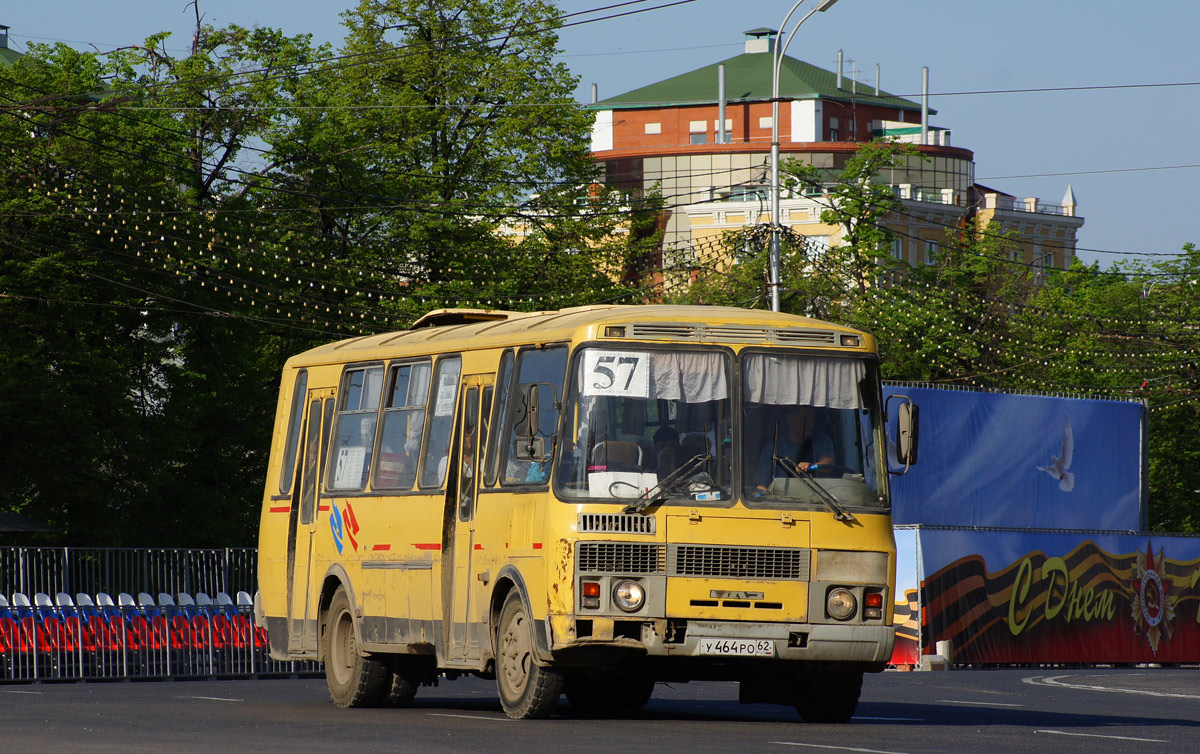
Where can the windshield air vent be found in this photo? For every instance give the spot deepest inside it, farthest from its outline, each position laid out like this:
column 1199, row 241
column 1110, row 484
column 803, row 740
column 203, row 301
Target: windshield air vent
column 737, row 334
column 732, row 334
column 664, row 331
column 806, row 337
column 616, row 523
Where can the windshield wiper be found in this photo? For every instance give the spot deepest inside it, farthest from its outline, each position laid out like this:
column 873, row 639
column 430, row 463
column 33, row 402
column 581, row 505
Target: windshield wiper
column 839, row 511
column 657, row 493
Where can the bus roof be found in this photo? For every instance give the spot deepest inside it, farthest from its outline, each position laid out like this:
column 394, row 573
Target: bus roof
column 446, row 330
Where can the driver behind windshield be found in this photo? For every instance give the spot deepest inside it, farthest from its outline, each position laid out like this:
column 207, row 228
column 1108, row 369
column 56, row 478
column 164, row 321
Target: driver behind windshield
column 795, row 437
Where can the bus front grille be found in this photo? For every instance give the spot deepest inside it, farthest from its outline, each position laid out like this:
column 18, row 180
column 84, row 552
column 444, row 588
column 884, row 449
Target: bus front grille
column 621, row 557
column 618, row 523
column 778, row 563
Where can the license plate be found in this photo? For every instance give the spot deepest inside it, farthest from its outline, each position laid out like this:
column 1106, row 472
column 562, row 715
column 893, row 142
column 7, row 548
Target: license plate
column 737, row 647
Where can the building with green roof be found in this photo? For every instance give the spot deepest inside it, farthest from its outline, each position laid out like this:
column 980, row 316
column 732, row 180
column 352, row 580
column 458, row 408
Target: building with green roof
column 669, row 134
column 7, row 56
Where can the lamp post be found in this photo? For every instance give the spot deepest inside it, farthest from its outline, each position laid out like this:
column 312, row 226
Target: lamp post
column 776, row 61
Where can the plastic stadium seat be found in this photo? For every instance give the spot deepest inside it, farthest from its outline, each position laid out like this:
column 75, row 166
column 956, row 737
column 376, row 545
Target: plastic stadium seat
column 155, row 619
column 137, row 630
column 178, row 623
column 243, row 622
column 78, row 633
column 206, row 611
column 9, row 634
column 114, row 621
column 224, row 629
column 103, row 635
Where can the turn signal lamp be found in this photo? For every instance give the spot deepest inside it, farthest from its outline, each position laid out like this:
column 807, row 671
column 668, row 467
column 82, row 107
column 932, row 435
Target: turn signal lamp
column 591, row 594
column 873, row 604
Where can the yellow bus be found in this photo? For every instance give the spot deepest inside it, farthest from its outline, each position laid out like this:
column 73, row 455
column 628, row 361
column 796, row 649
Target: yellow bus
column 584, row 502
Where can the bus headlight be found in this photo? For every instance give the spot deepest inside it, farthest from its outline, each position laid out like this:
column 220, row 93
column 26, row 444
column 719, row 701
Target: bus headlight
column 840, row 604
column 629, row 596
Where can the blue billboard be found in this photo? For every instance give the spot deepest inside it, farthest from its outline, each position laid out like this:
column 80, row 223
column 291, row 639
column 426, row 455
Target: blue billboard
column 1025, row 461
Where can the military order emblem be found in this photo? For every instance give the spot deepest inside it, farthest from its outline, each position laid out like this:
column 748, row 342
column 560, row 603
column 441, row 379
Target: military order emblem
column 1153, row 609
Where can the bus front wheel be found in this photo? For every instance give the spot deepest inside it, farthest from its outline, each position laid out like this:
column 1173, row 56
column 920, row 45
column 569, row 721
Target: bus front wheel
column 527, row 690
column 353, row 680
column 831, row 696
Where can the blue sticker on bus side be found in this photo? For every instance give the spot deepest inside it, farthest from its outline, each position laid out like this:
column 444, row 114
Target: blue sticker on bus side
column 335, row 524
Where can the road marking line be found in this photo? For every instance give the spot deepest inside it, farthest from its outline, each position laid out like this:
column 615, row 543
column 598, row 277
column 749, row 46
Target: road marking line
column 212, row 698
column 1054, row 681
column 980, row 704
column 891, row 719
column 838, row 748
column 471, row 717
column 7, row 691
column 1098, row 735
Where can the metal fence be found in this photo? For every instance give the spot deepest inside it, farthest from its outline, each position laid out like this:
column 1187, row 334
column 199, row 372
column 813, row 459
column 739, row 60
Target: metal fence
column 97, row 613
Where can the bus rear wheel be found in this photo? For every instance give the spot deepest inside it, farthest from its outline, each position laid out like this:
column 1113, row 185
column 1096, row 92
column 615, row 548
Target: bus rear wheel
column 353, row 680
column 527, row 690
column 830, row 696
column 407, row 673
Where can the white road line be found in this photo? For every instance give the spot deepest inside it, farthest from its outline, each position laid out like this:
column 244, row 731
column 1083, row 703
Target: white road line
column 979, row 704
column 212, row 698
column 1054, row 681
column 14, row 691
column 1097, row 735
column 836, row 748
column 471, row 717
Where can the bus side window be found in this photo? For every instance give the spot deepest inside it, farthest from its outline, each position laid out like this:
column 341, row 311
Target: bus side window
column 443, row 396
column 491, row 469
column 546, row 367
column 402, row 423
column 288, row 472
column 354, row 433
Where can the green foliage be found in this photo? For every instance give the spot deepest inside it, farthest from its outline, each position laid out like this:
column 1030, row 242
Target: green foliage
column 175, row 226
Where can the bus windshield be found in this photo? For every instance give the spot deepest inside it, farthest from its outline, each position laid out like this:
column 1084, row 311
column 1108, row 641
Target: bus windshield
column 809, row 428
column 641, row 417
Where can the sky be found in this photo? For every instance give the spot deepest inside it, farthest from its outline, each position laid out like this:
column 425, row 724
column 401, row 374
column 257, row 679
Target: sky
column 1124, row 135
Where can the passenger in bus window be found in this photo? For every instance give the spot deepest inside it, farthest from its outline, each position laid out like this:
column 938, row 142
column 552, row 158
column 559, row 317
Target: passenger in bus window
column 667, row 450
column 797, row 438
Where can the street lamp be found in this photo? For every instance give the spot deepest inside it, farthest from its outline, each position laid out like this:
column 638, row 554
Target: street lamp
column 776, row 61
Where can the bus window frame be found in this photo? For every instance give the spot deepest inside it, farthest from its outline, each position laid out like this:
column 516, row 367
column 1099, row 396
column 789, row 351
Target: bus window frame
column 434, row 382
column 389, row 387
column 503, row 392
column 287, row 475
column 571, row 399
column 504, row 429
column 885, row 507
column 342, row 395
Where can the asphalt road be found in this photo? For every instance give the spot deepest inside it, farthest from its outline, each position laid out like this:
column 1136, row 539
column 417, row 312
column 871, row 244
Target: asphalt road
column 1066, row 710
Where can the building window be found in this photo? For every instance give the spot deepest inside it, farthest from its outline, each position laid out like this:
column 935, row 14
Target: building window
column 653, row 128
column 931, row 250
column 698, row 126
column 698, row 139
column 898, row 249
column 764, row 122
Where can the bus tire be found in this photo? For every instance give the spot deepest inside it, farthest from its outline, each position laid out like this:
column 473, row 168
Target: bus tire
column 831, row 696
column 527, row 690
column 353, row 680
column 406, row 676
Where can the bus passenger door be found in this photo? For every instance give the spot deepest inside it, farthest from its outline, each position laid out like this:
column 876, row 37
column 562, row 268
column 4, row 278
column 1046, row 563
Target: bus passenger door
column 302, row 619
column 463, row 638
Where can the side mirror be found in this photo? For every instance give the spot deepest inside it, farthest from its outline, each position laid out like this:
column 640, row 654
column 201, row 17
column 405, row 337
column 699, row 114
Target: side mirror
column 907, row 431
column 531, row 449
column 526, row 426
